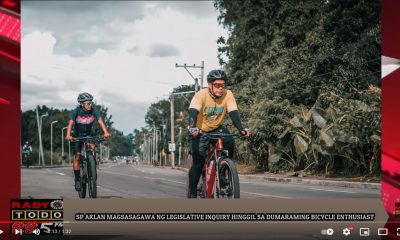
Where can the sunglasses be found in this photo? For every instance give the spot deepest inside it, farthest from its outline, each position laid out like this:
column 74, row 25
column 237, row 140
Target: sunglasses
column 219, row 85
column 89, row 103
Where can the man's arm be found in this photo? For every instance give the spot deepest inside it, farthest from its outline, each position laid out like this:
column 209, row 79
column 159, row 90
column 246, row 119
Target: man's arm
column 97, row 115
column 194, row 109
column 234, row 115
column 69, row 129
column 104, row 128
column 193, row 113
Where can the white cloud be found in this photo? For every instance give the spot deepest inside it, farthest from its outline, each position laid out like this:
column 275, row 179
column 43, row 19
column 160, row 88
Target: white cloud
column 128, row 66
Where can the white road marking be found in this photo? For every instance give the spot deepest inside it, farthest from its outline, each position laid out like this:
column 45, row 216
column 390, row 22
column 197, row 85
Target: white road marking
column 328, row 190
column 151, row 178
column 60, row 173
column 265, row 195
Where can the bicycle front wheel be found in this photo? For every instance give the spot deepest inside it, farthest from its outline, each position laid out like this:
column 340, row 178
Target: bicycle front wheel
column 92, row 177
column 229, row 186
column 82, row 192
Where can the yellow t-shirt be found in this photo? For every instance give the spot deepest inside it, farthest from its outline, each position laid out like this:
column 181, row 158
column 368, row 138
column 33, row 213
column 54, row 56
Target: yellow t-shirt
column 211, row 111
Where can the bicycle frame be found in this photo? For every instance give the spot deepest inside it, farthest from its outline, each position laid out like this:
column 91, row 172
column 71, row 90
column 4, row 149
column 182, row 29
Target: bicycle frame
column 26, row 158
column 88, row 148
column 210, row 169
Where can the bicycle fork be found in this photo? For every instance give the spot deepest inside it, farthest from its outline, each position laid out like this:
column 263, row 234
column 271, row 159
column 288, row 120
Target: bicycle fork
column 210, row 179
column 212, row 172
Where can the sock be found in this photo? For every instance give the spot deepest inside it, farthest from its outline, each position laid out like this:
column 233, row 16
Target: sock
column 77, row 175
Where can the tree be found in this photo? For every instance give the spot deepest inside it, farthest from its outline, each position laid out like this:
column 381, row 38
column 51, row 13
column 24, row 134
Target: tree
column 288, row 62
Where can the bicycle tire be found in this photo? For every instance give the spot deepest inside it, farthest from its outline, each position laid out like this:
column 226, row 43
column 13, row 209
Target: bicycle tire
column 203, row 184
column 92, row 176
column 82, row 192
column 227, row 166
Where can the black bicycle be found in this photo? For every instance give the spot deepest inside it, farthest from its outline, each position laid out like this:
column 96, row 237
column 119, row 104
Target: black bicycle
column 27, row 158
column 88, row 164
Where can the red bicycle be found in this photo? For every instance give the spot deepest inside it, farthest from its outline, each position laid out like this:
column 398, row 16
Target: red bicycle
column 219, row 177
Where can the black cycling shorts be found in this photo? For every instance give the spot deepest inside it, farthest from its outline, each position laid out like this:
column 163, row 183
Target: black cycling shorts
column 77, row 147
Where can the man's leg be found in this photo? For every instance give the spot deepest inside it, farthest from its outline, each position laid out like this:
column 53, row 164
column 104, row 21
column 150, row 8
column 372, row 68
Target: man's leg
column 76, row 165
column 228, row 142
column 195, row 171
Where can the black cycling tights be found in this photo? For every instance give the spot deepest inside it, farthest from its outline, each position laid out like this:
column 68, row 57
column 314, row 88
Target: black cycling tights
column 198, row 151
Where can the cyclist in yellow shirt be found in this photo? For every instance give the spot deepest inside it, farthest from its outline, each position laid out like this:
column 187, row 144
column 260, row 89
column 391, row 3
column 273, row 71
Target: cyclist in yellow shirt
column 206, row 112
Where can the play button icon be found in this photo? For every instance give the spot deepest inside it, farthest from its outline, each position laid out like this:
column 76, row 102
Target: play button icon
column 1, row 231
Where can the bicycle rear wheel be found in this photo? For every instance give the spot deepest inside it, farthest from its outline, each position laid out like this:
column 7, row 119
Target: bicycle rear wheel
column 229, row 186
column 92, row 183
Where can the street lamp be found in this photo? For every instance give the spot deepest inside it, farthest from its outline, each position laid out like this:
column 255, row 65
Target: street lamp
column 154, row 145
column 158, row 135
column 40, row 138
column 51, row 142
column 62, row 144
column 165, row 142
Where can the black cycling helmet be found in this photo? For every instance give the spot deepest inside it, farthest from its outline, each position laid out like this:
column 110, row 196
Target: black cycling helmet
column 216, row 75
column 83, row 97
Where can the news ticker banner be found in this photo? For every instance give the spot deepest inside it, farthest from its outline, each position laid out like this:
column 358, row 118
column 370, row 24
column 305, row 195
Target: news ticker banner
column 36, row 216
column 220, row 216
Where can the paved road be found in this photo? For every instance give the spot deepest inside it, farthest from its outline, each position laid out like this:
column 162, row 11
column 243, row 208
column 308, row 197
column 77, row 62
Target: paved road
column 118, row 180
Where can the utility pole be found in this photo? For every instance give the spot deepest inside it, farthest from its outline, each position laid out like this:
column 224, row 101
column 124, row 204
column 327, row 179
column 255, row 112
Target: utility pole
column 40, row 136
column 165, row 142
column 154, row 144
column 197, row 87
column 41, row 142
column 172, row 142
column 150, row 149
column 39, row 122
column 51, row 142
column 172, row 129
column 158, row 136
column 69, row 151
column 62, row 144
column 180, row 146
column 145, row 148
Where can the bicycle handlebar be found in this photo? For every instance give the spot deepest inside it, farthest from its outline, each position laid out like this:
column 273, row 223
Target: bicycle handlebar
column 220, row 135
column 216, row 135
column 94, row 138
